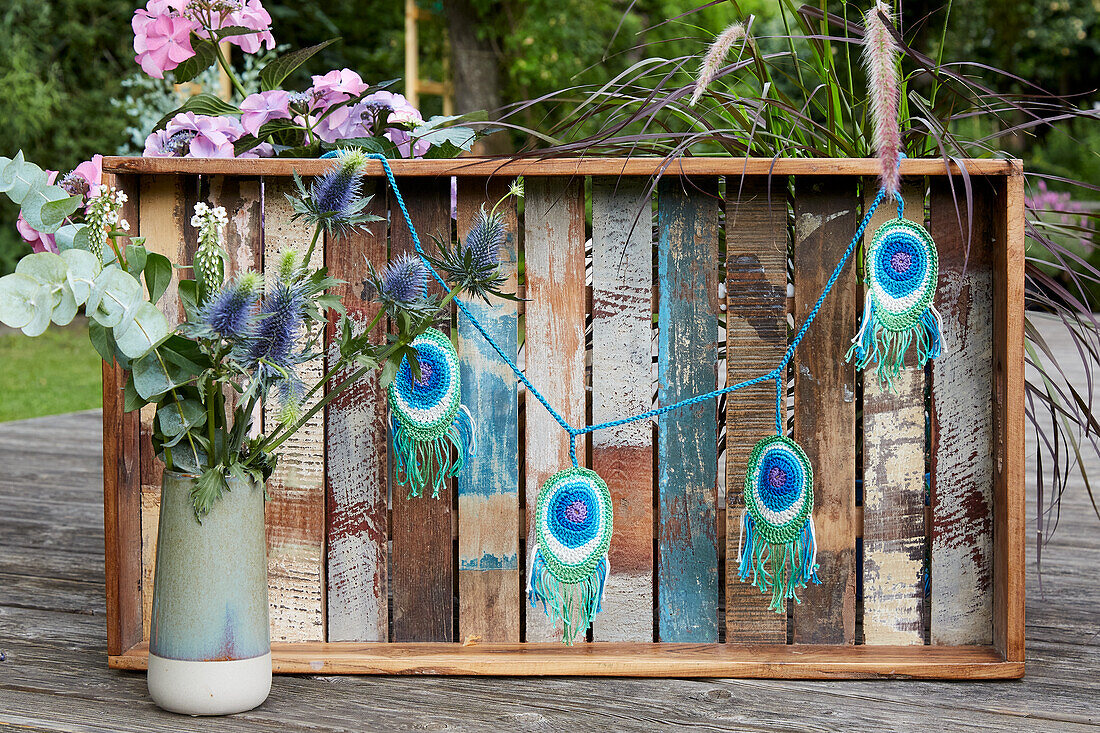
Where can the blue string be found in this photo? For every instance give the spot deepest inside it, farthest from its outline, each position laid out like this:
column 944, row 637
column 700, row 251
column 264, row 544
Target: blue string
column 776, row 374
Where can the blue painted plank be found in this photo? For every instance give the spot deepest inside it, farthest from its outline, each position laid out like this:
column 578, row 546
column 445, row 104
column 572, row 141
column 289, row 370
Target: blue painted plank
column 687, row 439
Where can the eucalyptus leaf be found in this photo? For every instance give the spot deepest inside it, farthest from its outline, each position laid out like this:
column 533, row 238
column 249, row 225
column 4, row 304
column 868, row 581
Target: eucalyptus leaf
column 22, row 177
column 82, row 268
column 65, row 307
column 45, row 267
column 146, row 329
column 43, row 307
column 115, row 296
column 8, row 167
column 17, row 293
column 72, row 236
column 152, row 379
column 46, row 207
column 176, row 417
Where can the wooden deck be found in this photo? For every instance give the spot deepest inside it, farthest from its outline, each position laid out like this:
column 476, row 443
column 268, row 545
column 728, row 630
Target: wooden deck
column 53, row 673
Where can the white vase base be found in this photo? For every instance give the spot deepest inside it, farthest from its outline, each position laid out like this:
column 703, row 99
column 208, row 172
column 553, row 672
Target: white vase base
column 209, row 688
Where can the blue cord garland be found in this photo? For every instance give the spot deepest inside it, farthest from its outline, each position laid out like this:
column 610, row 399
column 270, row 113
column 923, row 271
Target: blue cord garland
column 776, row 374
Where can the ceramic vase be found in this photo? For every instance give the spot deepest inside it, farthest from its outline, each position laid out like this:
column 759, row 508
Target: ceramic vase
column 209, row 640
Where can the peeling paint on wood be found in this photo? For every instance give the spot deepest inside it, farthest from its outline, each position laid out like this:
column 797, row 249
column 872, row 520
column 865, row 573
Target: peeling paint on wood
column 893, row 481
column 423, row 544
column 622, row 326
column 554, row 348
column 962, row 415
column 356, row 443
column 296, row 509
column 756, row 338
column 824, row 421
column 488, row 487
column 687, row 439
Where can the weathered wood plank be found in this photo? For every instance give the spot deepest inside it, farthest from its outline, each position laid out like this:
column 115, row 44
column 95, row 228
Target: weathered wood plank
column 756, row 338
column 488, row 487
column 825, row 405
column 295, row 512
column 162, row 215
column 687, row 439
column 962, row 418
column 357, row 439
column 423, row 551
column 554, row 350
column 893, row 479
column 622, row 333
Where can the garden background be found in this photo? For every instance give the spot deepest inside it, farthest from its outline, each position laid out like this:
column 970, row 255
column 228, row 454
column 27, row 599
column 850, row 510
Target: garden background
column 70, row 88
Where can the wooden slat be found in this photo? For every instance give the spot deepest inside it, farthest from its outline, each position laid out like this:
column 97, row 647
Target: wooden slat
column 488, row 488
column 296, row 509
column 756, row 338
column 535, row 166
column 356, row 438
column 554, row 350
column 825, row 405
column 625, row 659
column 1009, row 489
column 893, row 479
column 687, row 439
column 962, row 417
column 622, row 331
column 162, row 215
column 423, row 550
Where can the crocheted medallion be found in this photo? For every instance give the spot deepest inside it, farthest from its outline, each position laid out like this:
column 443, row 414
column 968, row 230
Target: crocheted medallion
column 902, row 269
column 777, row 550
column 573, row 525
column 428, row 418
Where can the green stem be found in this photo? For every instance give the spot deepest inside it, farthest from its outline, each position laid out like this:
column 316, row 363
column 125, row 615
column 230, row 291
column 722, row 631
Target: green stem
column 224, row 63
column 312, row 246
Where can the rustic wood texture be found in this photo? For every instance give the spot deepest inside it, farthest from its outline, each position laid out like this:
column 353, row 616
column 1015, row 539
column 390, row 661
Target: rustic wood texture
column 893, row 478
column 825, row 404
column 962, row 417
column 622, row 334
column 422, row 562
column 54, row 677
column 554, row 350
column 569, row 167
column 162, row 217
column 296, row 506
column 1008, row 420
column 756, row 338
column 488, row 488
column 687, row 439
column 356, row 443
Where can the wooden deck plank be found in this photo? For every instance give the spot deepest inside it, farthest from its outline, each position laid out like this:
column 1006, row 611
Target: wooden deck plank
column 962, row 419
column 296, row 506
column 622, row 334
column 554, row 350
column 824, row 403
column 893, row 479
column 687, row 439
column 422, row 562
column 488, row 488
column 356, row 442
column 756, row 338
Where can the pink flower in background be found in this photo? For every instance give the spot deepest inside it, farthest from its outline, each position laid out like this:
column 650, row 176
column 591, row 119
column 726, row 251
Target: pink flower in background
column 263, row 150
column 162, row 38
column 85, row 178
column 263, row 107
column 337, row 86
column 194, row 136
column 156, row 145
column 250, row 15
column 341, row 124
column 39, row 242
column 402, row 116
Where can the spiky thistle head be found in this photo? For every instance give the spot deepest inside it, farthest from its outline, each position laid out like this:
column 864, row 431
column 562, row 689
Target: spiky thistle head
column 279, row 324
column 230, row 313
column 474, row 263
column 717, row 53
column 404, row 280
column 333, row 201
column 880, row 56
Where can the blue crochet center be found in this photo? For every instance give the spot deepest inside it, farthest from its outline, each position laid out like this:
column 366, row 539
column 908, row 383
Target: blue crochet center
column 435, row 378
column 566, row 524
column 901, row 245
column 779, row 495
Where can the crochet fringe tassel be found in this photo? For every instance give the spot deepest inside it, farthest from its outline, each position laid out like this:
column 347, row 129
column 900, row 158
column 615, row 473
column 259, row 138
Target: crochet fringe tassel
column 420, row 462
column 877, row 344
column 573, row 604
column 779, row 568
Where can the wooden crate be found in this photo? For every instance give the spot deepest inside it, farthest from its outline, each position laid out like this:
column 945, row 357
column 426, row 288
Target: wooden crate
column 363, row 583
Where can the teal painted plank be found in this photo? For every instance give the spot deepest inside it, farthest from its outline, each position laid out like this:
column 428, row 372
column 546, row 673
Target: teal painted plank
column 687, row 439
column 488, row 487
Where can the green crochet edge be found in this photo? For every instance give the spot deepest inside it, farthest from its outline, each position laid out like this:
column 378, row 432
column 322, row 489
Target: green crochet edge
column 911, row 316
column 789, row 531
column 568, row 574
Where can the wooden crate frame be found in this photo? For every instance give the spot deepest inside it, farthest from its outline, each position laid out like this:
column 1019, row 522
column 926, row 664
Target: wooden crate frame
column 1002, row 658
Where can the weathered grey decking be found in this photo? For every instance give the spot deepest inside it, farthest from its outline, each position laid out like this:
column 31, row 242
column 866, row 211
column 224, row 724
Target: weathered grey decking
column 53, row 673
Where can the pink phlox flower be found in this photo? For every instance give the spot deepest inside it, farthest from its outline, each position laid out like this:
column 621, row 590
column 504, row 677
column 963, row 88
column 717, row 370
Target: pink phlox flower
column 262, row 107
column 162, row 37
column 39, row 242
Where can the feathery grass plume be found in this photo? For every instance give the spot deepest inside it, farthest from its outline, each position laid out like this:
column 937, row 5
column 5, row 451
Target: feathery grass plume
column 713, row 60
column 880, row 56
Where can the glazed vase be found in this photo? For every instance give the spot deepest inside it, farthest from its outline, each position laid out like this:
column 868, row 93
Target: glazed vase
column 209, row 637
